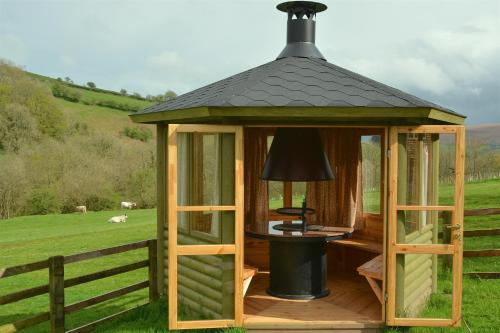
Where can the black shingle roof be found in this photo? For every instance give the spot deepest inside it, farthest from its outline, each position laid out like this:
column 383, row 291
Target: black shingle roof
column 294, row 81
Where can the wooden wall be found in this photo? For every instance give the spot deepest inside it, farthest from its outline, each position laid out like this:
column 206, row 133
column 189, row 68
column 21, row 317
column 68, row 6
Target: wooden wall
column 418, row 273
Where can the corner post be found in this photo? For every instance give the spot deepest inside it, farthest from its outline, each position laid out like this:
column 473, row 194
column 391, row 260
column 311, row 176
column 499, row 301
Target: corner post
column 56, row 294
column 153, row 271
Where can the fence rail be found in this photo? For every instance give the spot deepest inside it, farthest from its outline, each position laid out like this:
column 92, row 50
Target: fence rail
column 57, row 284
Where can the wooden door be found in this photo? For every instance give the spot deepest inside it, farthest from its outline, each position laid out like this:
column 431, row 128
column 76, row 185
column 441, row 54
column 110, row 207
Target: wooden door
column 205, row 226
column 424, row 251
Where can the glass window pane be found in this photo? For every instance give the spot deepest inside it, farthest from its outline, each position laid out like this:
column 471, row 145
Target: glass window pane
column 205, row 287
column 371, row 162
column 298, row 193
column 205, row 169
column 275, row 190
column 424, row 286
column 207, row 227
column 424, row 227
column 426, row 169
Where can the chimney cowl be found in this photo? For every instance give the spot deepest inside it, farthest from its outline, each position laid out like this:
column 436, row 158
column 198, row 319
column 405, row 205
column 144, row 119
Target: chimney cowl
column 301, row 29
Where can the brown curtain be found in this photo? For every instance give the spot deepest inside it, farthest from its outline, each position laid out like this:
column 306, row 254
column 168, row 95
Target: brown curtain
column 256, row 195
column 339, row 202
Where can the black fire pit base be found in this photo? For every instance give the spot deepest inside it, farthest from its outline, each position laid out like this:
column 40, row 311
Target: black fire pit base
column 297, row 268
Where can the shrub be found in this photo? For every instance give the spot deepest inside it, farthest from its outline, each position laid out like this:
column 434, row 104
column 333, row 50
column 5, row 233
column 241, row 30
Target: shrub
column 91, row 85
column 61, row 91
column 138, row 133
column 44, row 201
column 123, row 91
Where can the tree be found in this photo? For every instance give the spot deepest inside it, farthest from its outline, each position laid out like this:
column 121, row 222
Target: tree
column 123, row 91
column 169, row 95
column 136, row 94
column 17, row 127
column 91, row 85
column 67, row 79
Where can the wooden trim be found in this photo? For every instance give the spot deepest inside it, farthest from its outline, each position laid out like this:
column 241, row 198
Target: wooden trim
column 172, row 226
column 193, row 250
column 392, row 225
column 193, row 128
column 425, row 208
column 104, row 252
column 21, row 269
column 424, row 248
column 205, row 208
column 424, row 322
column 287, row 194
column 385, row 217
column 457, row 218
column 239, row 226
column 430, row 129
column 280, row 115
column 193, row 324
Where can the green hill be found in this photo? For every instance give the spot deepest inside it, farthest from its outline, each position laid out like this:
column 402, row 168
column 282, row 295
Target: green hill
column 63, row 145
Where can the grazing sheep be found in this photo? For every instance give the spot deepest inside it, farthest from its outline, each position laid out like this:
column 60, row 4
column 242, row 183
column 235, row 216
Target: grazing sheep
column 81, row 209
column 128, row 205
column 118, row 219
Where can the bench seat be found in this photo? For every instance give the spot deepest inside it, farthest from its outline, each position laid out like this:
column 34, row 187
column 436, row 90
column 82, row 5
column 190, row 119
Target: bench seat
column 372, row 271
column 248, row 273
column 361, row 244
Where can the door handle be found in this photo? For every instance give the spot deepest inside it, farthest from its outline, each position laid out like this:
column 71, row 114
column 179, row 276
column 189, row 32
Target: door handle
column 454, row 226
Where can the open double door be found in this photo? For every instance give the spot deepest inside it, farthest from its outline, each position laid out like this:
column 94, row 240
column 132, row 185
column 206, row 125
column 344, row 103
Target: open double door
column 205, row 226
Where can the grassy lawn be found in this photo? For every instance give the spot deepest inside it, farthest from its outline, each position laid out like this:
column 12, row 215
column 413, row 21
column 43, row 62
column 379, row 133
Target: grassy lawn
column 32, row 238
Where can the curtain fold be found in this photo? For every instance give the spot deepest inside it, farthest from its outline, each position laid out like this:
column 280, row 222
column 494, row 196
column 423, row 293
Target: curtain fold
column 339, row 202
column 256, row 189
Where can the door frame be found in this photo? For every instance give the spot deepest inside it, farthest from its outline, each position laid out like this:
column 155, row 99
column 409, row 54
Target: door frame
column 175, row 250
column 455, row 248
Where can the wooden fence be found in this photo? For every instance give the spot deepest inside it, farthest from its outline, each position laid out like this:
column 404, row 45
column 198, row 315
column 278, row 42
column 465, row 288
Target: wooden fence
column 480, row 233
column 57, row 284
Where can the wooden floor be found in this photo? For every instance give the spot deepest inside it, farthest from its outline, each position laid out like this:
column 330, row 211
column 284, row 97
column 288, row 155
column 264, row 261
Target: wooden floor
column 351, row 304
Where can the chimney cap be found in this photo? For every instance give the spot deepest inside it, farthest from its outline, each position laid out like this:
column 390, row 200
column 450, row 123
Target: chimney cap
column 312, row 6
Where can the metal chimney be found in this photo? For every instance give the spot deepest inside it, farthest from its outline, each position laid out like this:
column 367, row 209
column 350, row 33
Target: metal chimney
column 301, row 29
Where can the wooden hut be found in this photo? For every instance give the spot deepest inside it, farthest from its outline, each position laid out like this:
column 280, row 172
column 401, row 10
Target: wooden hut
column 390, row 238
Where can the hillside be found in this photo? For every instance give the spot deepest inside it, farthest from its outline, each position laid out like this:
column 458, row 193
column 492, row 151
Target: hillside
column 486, row 133
column 107, row 119
column 64, row 145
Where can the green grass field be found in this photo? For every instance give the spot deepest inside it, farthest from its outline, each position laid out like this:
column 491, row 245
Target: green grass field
column 31, row 238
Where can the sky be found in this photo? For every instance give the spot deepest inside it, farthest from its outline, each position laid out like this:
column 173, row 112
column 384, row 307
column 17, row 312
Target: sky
column 445, row 51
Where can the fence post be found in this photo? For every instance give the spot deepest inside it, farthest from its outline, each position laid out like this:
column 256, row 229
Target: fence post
column 56, row 294
column 447, row 262
column 153, row 271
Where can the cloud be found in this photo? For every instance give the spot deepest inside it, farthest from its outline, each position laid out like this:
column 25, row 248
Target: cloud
column 164, row 60
column 457, row 67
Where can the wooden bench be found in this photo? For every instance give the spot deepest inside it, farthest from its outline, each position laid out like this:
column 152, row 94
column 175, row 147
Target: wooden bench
column 361, row 244
column 372, row 271
column 248, row 273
